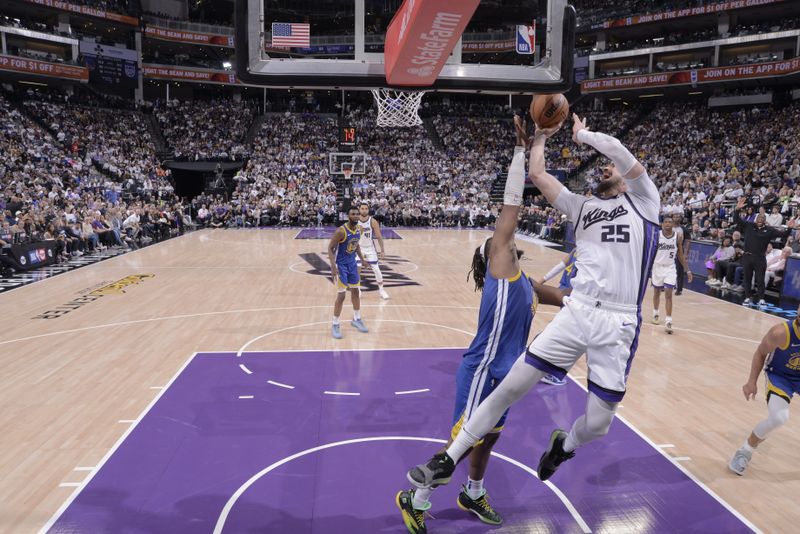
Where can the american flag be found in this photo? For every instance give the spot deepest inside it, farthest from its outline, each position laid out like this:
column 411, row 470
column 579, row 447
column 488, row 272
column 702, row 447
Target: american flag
column 291, row 34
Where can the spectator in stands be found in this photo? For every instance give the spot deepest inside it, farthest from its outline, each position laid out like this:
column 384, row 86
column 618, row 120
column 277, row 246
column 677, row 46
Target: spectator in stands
column 775, row 218
column 776, row 265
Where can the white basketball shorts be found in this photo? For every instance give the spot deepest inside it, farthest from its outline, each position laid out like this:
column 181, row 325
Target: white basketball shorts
column 664, row 276
column 608, row 333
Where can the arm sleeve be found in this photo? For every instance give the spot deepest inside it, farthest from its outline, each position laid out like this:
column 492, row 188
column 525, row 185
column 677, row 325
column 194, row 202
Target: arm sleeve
column 610, row 147
column 552, row 273
column 515, row 182
column 569, row 203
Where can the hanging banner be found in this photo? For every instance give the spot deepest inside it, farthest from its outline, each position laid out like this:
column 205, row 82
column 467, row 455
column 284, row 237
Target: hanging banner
column 685, row 77
column 183, row 36
column 421, row 37
column 681, row 13
column 187, row 74
column 86, row 10
column 44, row 68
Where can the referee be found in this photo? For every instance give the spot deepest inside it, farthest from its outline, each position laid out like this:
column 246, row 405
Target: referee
column 757, row 236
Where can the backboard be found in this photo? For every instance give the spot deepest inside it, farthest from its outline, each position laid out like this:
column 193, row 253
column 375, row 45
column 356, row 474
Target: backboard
column 347, row 44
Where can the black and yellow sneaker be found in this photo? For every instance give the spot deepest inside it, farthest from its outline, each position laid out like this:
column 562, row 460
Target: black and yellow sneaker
column 479, row 507
column 554, row 456
column 436, row 472
column 413, row 518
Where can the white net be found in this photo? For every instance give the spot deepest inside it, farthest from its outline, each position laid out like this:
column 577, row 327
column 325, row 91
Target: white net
column 397, row 109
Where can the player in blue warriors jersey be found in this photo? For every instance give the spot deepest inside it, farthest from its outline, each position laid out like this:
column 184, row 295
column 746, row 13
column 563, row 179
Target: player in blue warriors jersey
column 504, row 321
column 342, row 250
column 779, row 356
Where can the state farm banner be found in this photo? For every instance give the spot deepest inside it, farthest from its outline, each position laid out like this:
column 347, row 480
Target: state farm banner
column 86, row 10
column 686, row 12
column 187, row 74
column 183, row 36
column 476, row 47
column 44, row 68
column 683, row 77
column 420, row 38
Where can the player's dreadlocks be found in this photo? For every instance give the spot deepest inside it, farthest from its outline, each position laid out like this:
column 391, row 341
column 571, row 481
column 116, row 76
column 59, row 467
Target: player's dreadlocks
column 478, row 271
column 480, row 261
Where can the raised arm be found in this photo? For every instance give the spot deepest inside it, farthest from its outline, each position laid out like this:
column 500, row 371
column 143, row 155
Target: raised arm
column 776, row 337
column 512, row 195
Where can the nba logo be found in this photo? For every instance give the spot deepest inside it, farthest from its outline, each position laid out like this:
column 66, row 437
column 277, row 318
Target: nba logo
column 525, row 39
column 693, row 76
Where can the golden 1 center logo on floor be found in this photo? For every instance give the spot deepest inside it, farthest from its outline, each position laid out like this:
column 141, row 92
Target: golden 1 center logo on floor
column 94, row 293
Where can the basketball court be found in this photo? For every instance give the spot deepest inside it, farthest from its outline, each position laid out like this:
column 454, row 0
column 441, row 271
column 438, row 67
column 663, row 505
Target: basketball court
column 193, row 386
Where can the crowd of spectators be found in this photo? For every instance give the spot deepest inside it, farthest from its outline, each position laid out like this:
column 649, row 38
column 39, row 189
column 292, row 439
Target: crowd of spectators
column 51, row 192
column 206, row 130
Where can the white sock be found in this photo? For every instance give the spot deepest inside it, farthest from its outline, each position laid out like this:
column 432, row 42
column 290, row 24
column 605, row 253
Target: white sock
column 475, row 489
column 747, row 446
column 669, row 318
column 357, row 315
column 335, row 320
column 421, row 501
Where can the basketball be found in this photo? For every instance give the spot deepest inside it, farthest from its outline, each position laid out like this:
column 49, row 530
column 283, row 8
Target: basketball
column 549, row 111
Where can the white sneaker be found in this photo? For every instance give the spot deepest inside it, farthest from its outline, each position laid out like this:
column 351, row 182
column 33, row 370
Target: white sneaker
column 655, row 318
column 747, row 302
column 714, row 283
column 738, row 288
column 762, row 303
column 668, row 327
column 725, row 285
column 710, row 281
column 740, row 461
column 384, row 294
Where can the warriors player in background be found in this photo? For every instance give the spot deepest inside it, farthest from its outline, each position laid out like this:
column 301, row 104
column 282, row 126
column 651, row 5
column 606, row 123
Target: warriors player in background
column 504, row 321
column 370, row 231
column 342, row 250
column 616, row 236
column 665, row 274
column 780, row 350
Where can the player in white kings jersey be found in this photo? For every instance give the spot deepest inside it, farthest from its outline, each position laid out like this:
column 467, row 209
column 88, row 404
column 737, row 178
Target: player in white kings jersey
column 370, row 231
column 665, row 274
column 616, row 235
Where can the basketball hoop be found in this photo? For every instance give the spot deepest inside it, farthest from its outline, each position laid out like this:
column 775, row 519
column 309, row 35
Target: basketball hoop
column 347, row 170
column 398, row 109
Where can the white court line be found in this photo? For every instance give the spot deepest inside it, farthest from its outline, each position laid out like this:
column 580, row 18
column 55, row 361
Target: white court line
column 681, row 458
column 246, row 396
column 341, row 393
column 382, row 306
column 84, row 469
column 665, row 446
column 69, row 485
column 243, row 347
column 111, row 451
column 287, row 386
column 156, row 387
column 411, row 391
column 244, row 368
column 683, row 470
column 226, row 510
column 126, row 421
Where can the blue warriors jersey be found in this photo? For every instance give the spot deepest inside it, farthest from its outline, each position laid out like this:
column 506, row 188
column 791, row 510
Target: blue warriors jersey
column 346, row 252
column 785, row 361
column 504, row 320
column 569, row 271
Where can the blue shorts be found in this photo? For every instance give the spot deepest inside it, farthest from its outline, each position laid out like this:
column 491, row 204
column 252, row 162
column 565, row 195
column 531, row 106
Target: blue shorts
column 349, row 277
column 468, row 398
column 782, row 386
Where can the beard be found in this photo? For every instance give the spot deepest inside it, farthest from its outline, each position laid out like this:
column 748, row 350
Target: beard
column 607, row 186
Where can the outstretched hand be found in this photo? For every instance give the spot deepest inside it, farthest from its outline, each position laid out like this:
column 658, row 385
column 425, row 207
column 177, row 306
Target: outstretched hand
column 578, row 124
column 548, row 132
column 740, row 203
